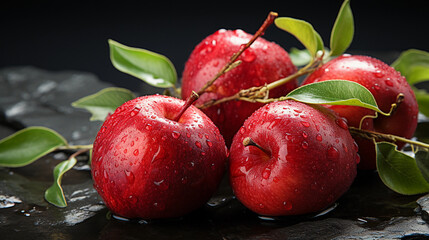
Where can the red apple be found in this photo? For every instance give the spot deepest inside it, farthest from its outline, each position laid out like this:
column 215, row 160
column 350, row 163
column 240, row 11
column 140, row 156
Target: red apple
column 146, row 165
column 385, row 83
column 303, row 159
column 262, row 63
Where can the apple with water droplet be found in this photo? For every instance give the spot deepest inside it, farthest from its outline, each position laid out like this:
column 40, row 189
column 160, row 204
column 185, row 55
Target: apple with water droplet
column 263, row 62
column 385, row 83
column 146, row 164
column 290, row 158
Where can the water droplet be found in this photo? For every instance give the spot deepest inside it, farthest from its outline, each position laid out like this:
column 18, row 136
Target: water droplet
column 200, row 135
column 125, row 151
column 198, row 144
column 248, row 56
column 132, row 199
column 357, row 158
column 376, row 86
column 333, row 153
column 355, row 146
column 287, row 205
column 209, row 143
column 276, row 179
column 148, row 127
column 305, row 124
column 304, row 134
column 130, row 176
column 266, row 173
column 304, row 144
column 132, row 143
column 319, row 137
column 379, row 74
column 175, row 134
column 389, row 83
column 163, row 185
column 159, row 206
column 188, row 135
column 136, row 152
column 342, row 122
column 261, row 206
column 184, row 180
column 135, row 111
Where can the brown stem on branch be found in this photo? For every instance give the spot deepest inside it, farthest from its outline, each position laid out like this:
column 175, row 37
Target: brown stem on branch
column 385, row 137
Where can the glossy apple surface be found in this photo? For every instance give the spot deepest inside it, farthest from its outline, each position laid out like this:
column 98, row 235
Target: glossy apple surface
column 145, row 165
column 308, row 159
column 262, row 63
column 385, row 83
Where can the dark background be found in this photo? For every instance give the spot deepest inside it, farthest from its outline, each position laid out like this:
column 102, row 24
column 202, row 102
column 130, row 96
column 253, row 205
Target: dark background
column 72, row 35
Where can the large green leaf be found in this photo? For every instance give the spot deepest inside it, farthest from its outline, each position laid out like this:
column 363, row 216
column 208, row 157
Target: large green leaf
column 335, row 92
column 399, row 171
column 153, row 68
column 303, row 31
column 343, row 30
column 104, row 102
column 413, row 65
column 54, row 194
column 28, row 145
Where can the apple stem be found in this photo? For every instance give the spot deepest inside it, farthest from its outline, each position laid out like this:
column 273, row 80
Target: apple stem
column 385, row 137
column 248, row 141
column 189, row 101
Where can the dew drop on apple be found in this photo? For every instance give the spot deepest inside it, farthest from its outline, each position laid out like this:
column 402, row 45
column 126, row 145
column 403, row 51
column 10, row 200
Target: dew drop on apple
column 135, row 111
column 379, row 74
column 319, row 137
column 304, row 144
column 305, row 124
column 357, row 158
column 198, row 144
column 333, row 153
column 209, row 143
column 136, row 152
column 389, row 83
column 175, row 134
column 148, row 127
column 287, row 205
column 163, row 185
column 132, row 199
column 342, row 123
column 129, row 176
column 376, row 86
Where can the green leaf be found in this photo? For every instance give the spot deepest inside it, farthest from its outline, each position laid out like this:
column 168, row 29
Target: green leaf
column 422, row 97
column 303, row 31
column 422, row 160
column 104, row 102
column 54, row 194
column 335, row 92
column 28, row 145
column 343, row 30
column 299, row 57
column 152, row 68
column 413, row 64
column 399, row 171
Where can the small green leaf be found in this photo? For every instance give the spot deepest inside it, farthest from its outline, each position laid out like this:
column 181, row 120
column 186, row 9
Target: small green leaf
column 413, row 64
column 303, row 31
column 335, row 92
column 54, row 194
column 422, row 97
column 299, row 57
column 28, row 145
column 153, row 68
column 422, row 160
column 399, row 171
column 104, row 102
column 343, row 30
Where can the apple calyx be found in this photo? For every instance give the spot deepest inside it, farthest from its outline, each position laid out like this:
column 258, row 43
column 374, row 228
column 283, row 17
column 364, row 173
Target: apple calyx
column 248, row 141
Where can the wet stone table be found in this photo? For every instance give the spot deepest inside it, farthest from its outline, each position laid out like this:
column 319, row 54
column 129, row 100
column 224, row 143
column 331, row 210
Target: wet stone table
column 34, row 97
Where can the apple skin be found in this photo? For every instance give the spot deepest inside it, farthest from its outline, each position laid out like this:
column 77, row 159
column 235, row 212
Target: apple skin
column 311, row 159
column 385, row 83
column 145, row 165
column 264, row 62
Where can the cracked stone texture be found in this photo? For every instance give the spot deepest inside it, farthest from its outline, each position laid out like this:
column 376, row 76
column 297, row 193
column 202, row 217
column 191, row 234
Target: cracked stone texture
column 31, row 96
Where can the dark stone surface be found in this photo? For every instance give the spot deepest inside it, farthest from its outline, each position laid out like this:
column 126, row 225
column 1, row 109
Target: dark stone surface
column 31, row 96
